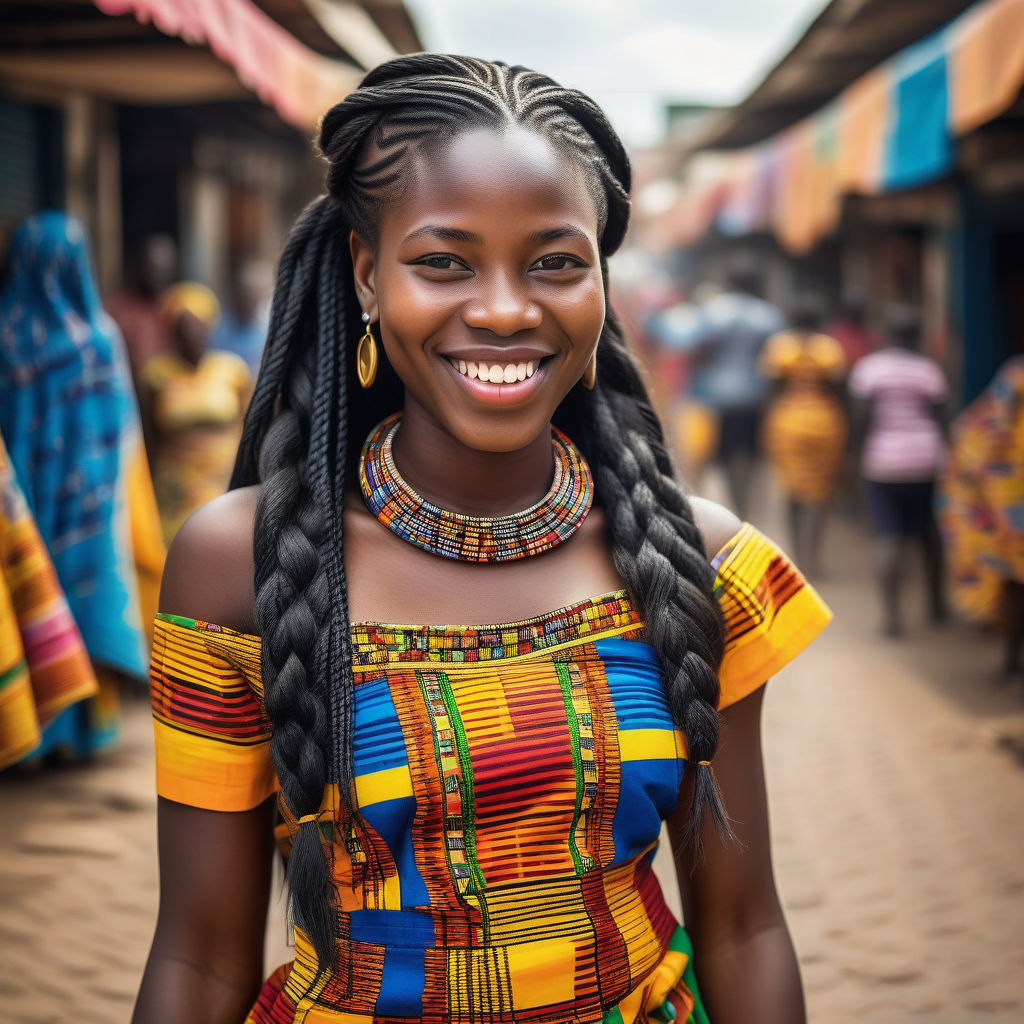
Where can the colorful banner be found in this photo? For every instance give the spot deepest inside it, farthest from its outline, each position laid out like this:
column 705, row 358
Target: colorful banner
column 918, row 144
column 894, row 128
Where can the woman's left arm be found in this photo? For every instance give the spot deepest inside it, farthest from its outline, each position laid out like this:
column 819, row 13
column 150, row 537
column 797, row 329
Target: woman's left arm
column 744, row 959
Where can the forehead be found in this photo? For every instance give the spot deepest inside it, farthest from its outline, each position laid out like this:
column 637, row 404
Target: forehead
column 508, row 176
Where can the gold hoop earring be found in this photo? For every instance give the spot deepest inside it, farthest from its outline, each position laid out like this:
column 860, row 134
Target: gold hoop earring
column 589, row 378
column 366, row 356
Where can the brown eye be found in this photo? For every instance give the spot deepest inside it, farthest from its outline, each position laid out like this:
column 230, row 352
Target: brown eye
column 558, row 262
column 441, row 261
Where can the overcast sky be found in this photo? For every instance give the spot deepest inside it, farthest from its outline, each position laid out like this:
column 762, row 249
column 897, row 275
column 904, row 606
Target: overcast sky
column 630, row 55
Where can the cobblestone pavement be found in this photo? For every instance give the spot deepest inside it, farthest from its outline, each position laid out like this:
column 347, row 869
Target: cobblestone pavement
column 898, row 818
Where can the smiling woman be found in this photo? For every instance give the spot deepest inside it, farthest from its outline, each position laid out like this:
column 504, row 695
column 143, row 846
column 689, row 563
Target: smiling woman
column 467, row 625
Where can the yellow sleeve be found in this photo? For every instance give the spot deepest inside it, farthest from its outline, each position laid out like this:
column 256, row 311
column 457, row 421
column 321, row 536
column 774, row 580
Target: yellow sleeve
column 212, row 737
column 771, row 612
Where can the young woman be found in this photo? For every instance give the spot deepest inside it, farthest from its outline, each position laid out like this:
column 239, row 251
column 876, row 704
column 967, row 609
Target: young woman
column 447, row 428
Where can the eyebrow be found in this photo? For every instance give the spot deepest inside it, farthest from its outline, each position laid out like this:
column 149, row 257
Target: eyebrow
column 553, row 234
column 447, row 234
column 458, row 235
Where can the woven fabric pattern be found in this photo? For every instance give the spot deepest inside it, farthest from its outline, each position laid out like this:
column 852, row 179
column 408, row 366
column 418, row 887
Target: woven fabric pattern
column 511, row 783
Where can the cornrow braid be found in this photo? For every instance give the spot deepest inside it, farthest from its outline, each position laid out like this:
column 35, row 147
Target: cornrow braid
column 308, row 418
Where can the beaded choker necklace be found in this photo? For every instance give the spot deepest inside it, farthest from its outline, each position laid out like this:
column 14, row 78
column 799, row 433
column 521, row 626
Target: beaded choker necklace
column 556, row 517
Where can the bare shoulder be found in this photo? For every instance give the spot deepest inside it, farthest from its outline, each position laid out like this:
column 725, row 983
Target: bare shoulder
column 717, row 524
column 209, row 569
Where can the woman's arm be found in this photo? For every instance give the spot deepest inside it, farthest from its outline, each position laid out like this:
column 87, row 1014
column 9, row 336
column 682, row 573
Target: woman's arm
column 743, row 956
column 206, row 962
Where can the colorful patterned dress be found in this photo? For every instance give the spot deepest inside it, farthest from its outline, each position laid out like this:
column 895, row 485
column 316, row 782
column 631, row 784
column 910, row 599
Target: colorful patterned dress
column 982, row 495
column 70, row 421
column 511, row 782
column 805, row 428
column 44, row 667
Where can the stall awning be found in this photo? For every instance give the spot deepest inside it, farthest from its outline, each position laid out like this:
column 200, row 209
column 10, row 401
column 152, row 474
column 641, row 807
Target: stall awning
column 894, row 128
column 297, row 82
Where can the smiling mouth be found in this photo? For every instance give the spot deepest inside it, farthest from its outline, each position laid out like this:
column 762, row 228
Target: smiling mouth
column 496, row 373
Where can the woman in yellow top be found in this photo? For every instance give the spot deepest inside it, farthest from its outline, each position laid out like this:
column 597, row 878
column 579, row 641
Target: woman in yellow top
column 193, row 399
column 459, row 615
column 806, row 427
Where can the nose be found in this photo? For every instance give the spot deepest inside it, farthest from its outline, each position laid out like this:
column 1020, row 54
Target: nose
column 502, row 306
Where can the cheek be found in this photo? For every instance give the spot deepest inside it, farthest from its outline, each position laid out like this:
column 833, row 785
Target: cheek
column 412, row 310
column 585, row 318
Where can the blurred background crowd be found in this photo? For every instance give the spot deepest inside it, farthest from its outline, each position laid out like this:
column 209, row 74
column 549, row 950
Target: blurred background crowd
column 824, row 281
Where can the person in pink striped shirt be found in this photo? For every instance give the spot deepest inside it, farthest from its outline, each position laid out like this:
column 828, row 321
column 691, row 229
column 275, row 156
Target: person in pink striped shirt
column 902, row 394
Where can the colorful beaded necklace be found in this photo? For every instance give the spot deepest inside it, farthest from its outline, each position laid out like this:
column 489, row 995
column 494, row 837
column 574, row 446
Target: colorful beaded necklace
column 556, row 517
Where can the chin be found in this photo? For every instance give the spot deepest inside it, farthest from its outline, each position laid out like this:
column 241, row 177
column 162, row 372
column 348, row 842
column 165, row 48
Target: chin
column 510, row 432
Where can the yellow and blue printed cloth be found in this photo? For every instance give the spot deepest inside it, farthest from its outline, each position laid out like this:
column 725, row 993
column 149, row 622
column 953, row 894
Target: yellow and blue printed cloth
column 511, row 782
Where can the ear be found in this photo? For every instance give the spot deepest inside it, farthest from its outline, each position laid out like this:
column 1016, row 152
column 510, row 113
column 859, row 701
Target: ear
column 363, row 272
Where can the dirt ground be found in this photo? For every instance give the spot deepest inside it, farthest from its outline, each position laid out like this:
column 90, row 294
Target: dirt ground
column 897, row 811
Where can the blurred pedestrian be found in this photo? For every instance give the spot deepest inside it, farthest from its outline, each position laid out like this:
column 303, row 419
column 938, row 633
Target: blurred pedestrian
column 44, row 666
column 135, row 308
column 69, row 419
column 242, row 328
column 193, row 400
column 726, row 346
column 902, row 395
column 851, row 328
column 983, row 509
column 805, row 426
column 692, row 426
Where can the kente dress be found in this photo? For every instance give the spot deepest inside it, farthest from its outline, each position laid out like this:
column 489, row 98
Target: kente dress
column 511, row 781
column 982, row 496
column 805, row 427
column 44, row 666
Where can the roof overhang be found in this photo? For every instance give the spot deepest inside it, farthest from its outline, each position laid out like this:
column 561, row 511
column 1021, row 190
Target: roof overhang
column 847, row 39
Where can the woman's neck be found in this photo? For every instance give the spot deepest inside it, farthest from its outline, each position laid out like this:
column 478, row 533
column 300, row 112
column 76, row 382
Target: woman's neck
column 462, row 479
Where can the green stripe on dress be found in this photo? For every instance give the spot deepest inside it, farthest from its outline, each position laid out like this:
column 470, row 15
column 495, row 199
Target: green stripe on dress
column 577, row 762
column 177, row 620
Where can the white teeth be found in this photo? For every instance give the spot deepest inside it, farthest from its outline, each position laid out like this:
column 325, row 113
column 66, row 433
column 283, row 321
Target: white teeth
column 495, row 373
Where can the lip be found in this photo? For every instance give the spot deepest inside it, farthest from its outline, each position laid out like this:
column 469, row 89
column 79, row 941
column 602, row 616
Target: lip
column 491, row 354
column 497, row 394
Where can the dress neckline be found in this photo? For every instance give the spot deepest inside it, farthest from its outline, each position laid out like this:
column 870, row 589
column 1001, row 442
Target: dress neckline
column 619, row 599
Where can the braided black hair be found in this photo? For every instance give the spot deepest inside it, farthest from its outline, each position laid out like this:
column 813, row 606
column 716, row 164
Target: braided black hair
column 307, row 420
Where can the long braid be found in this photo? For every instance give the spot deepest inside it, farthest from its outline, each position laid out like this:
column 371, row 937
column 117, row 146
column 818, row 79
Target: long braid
column 659, row 552
column 307, row 419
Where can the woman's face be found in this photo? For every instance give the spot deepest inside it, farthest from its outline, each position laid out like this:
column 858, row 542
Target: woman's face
column 487, row 284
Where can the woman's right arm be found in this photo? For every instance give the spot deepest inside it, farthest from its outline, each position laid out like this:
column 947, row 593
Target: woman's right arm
column 206, row 962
